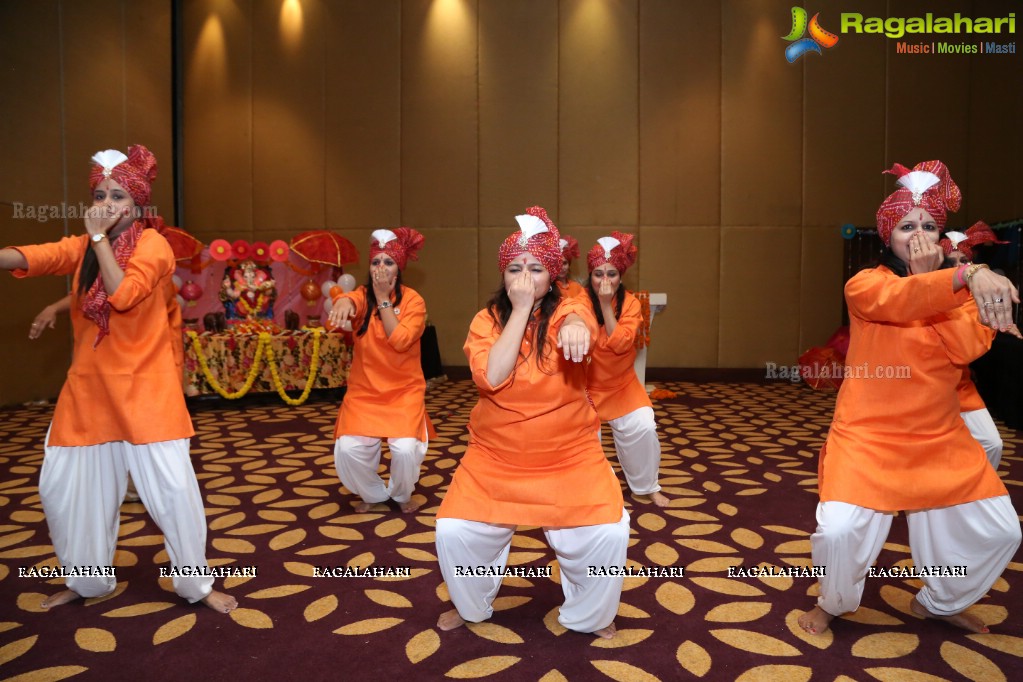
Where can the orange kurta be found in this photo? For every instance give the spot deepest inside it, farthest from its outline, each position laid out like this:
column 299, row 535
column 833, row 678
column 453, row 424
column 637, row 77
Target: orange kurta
column 897, row 442
column 611, row 377
column 386, row 394
column 969, row 398
column 128, row 388
column 534, row 456
column 571, row 289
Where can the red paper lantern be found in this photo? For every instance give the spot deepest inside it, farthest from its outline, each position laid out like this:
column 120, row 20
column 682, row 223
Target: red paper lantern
column 310, row 291
column 191, row 292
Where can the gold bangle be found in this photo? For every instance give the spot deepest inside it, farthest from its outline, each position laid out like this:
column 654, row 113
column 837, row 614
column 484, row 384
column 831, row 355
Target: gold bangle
column 972, row 270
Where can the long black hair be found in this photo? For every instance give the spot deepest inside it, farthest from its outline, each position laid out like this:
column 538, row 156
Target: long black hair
column 500, row 308
column 90, row 267
column 595, row 300
column 371, row 300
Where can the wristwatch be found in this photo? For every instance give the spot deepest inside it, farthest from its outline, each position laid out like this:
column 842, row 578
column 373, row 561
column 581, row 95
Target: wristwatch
column 97, row 238
column 385, row 304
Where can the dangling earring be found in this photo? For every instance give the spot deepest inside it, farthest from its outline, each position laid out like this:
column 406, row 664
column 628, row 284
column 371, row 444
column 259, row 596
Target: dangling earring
column 550, row 288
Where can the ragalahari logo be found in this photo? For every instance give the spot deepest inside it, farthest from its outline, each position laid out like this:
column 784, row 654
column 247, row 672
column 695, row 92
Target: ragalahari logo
column 818, row 36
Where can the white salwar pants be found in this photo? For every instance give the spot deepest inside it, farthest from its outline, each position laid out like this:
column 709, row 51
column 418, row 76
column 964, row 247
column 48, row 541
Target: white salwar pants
column 983, row 428
column 82, row 489
column 981, row 535
column 591, row 602
column 639, row 451
column 357, row 459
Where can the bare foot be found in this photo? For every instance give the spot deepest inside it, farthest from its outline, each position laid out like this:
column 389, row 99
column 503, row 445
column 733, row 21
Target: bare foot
column 363, row 507
column 962, row 620
column 659, row 499
column 220, row 602
column 409, row 507
column 449, row 620
column 816, row 621
column 606, row 633
column 62, row 597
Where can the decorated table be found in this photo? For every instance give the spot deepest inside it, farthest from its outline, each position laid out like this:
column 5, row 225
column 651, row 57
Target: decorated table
column 292, row 363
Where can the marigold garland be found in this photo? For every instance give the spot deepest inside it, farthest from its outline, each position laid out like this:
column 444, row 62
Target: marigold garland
column 643, row 333
column 263, row 348
column 247, row 309
column 314, row 367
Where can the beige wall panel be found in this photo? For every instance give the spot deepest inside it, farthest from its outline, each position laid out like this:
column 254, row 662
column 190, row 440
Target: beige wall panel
column 31, row 170
column 287, row 116
column 518, row 107
column 362, row 135
column 446, row 275
column 924, row 121
column 439, row 113
column 760, row 296
column 147, row 73
column 761, row 117
column 598, row 116
column 844, row 124
column 217, row 119
column 682, row 262
column 820, row 307
column 489, row 277
column 679, row 112
column 994, row 185
column 95, row 117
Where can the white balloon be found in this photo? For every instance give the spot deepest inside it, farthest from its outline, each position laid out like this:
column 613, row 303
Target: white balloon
column 327, row 305
column 177, row 282
column 347, row 282
column 347, row 325
column 326, row 288
column 181, row 301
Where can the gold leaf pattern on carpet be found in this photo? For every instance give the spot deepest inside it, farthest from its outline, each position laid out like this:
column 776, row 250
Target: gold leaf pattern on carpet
column 94, row 639
column 174, row 628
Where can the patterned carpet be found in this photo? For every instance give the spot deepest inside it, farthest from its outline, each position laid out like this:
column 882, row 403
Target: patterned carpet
column 739, row 464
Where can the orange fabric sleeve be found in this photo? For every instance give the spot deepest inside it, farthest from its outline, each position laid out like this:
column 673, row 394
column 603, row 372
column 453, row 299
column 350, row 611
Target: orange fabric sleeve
column 964, row 337
column 411, row 324
column 623, row 339
column 55, row 258
column 569, row 306
column 483, row 333
column 155, row 261
column 876, row 296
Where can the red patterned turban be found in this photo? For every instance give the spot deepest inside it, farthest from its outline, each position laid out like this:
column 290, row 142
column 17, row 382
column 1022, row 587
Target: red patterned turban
column 569, row 247
column 618, row 250
column 537, row 235
column 927, row 186
column 979, row 234
column 402, row 244
column 134, row 172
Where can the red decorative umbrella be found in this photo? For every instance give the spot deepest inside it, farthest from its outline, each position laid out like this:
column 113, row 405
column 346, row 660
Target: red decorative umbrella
column 184, row 245
column 326, row 247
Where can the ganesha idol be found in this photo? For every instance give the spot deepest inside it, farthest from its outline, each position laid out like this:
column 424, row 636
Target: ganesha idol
column 248, row 292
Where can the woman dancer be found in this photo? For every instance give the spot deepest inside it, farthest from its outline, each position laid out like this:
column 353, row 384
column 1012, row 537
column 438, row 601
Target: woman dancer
column 958, row 248
column 897, row 441
column 386, row 395
column 611, row 377
column 534, row 456
column 121, row 409
column 569, row 252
